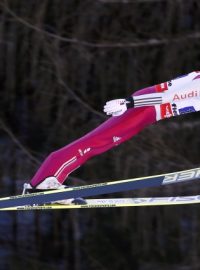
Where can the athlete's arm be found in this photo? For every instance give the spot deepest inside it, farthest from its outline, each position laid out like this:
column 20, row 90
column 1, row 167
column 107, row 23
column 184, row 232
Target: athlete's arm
column 173, row 91
column 117, row 107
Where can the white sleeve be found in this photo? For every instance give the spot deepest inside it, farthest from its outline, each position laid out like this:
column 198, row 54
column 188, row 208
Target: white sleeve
column 182, row 88
column 190, row 90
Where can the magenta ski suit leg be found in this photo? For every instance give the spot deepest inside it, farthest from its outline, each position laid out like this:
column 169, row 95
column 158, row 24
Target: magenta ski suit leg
column 109, row 134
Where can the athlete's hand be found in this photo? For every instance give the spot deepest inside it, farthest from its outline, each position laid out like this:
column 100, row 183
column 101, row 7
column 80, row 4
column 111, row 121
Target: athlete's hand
column 116, row 107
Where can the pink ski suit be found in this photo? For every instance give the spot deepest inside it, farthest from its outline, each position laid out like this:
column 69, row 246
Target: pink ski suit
column 118, row 129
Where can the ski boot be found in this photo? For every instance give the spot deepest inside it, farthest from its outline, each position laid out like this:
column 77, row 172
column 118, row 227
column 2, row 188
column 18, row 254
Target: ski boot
column 51, row 183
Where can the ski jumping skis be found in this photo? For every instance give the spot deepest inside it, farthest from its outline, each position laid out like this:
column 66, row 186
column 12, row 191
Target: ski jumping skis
column 36, row 200
column 114, row 202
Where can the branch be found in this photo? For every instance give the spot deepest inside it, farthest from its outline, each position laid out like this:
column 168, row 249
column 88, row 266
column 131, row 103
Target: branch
column 76, row 97
column 145, row 43
column 17, row 142
column 129, row 1
column 61, row 82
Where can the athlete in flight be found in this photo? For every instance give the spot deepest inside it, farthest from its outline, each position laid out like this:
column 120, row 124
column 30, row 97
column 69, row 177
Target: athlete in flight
column 129, row 116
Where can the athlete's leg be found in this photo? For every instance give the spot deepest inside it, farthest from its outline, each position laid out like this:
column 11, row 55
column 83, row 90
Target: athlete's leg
column 109, row 134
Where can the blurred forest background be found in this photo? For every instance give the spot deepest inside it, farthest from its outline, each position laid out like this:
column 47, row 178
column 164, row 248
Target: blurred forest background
column 60, row 61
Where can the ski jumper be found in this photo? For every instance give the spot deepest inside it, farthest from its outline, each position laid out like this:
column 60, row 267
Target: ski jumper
column 117, row 130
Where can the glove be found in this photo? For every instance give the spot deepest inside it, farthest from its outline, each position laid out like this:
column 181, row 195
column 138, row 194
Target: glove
column 116, row 107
